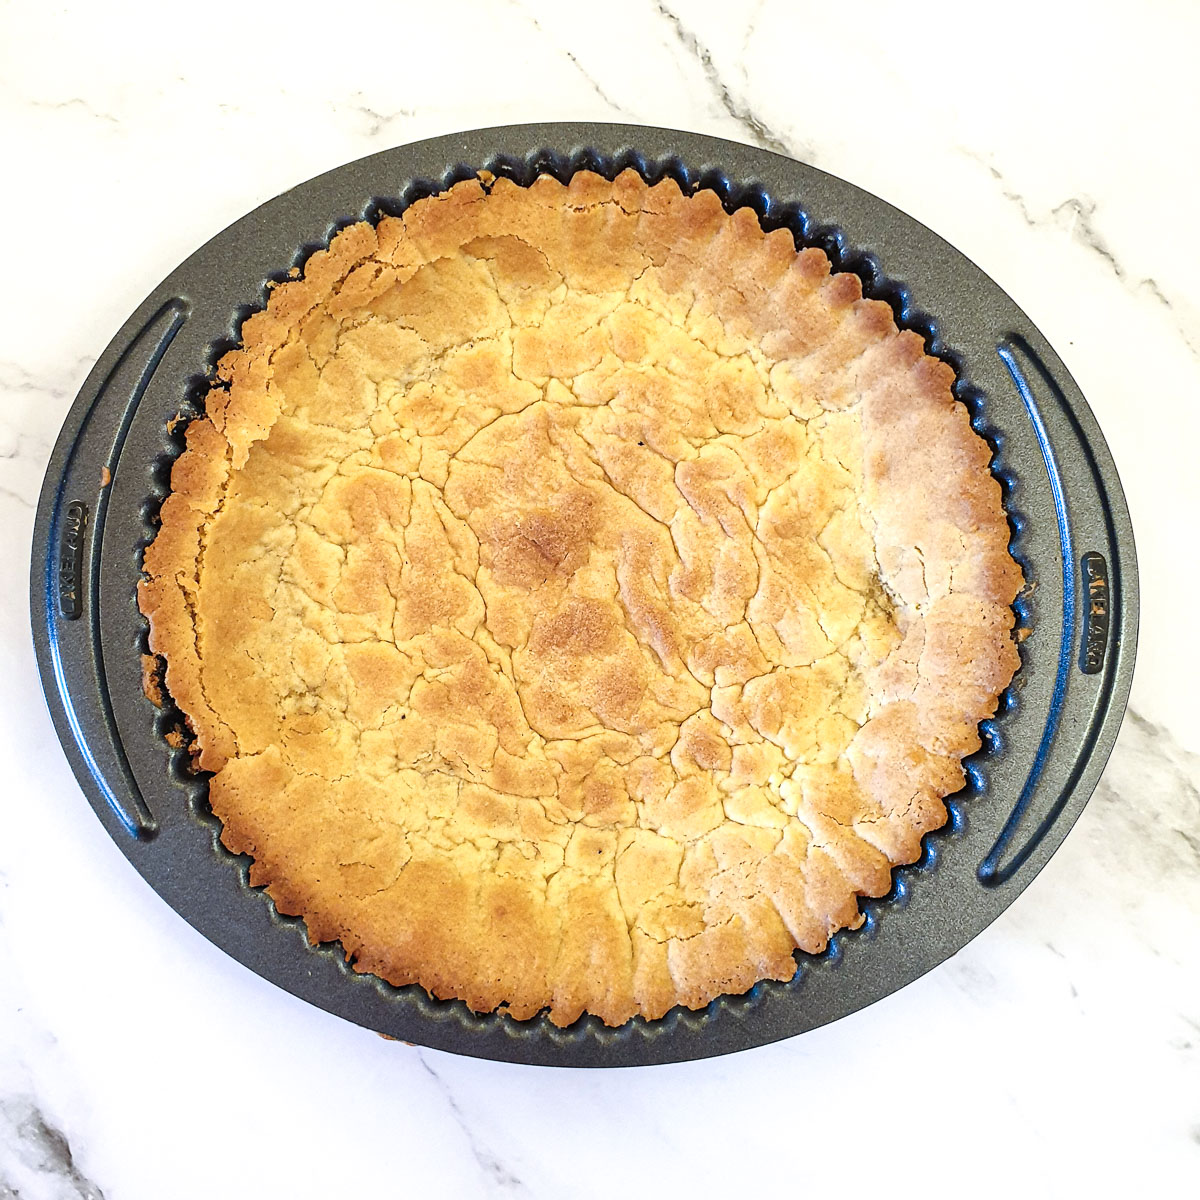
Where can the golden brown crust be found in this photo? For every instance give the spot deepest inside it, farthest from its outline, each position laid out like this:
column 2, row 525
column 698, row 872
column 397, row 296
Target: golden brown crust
column 152, row 684
column 581, row 597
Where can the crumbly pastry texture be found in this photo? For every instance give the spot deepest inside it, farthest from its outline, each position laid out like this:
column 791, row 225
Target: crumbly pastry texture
column 581, row 597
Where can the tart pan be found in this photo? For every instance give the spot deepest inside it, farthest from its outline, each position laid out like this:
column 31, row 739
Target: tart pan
column 1042, row 755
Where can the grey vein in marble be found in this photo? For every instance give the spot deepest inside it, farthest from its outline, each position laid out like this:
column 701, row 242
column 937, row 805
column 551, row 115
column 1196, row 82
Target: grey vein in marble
column 735, row 107
column 376, row 121
column 19, row 497
column 26, row 437
column 751, row 29
column 1187, row 1042
column 517, row 7
column 17, row 446
column 36, row 1162
column 1076, row 216
column 1177, row 820
column 498, row 1176
column 15, row 378
column 593, row 82
column 76, row 102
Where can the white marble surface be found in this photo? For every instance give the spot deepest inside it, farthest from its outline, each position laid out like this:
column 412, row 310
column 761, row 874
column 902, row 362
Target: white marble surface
column 1060, row 1052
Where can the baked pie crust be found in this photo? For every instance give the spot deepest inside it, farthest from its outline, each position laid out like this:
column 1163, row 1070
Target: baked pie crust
column 580, row 596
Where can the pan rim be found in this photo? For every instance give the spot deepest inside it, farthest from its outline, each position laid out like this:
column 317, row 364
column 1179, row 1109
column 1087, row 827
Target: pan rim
column 557, row 136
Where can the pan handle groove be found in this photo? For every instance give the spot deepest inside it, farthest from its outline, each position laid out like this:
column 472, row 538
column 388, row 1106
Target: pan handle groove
column 1091, row 594
column 69, row 616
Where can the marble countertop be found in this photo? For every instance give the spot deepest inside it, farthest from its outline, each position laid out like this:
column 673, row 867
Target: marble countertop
column 1059, row 1053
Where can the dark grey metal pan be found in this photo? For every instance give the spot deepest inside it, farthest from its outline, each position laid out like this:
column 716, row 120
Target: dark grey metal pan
column 1043, row 753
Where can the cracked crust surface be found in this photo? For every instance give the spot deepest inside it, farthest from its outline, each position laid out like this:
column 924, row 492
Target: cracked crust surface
column 581, row 597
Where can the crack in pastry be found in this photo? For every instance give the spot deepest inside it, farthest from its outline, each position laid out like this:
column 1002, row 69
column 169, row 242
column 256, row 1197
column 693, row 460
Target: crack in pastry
column 581, row 597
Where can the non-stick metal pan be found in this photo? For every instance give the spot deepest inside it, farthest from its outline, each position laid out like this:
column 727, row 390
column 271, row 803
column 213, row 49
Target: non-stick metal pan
column 1042, row 755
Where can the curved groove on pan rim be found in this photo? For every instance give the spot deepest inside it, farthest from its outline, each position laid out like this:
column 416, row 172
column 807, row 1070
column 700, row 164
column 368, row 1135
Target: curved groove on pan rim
column 139, row 822
column 991, row 871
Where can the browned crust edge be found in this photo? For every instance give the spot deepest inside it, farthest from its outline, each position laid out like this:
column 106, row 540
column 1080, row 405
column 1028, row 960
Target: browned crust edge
column 941, row 548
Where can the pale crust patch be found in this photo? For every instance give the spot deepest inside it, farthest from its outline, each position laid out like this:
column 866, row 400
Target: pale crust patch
column 581, row 597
